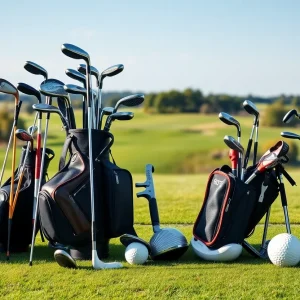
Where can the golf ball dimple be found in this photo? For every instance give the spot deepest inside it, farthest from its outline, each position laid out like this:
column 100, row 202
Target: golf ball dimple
column 284, row 250
column 136, row 253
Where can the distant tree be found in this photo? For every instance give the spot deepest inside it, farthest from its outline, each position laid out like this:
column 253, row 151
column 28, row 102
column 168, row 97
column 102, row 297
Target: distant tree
column 6, row 121
column 274, row 114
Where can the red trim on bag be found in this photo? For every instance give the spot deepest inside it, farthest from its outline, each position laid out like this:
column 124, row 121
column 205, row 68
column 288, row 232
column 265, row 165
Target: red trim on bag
column 222, row 211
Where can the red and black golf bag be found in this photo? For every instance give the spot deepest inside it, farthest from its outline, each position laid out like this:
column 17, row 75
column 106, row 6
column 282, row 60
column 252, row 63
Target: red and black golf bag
column 65, row 202
column 22, row 218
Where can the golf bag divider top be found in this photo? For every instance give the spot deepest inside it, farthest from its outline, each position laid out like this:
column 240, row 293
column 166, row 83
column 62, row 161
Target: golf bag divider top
column 225, row 211
column 22, row 218
column 118, row 194
column 64, row 201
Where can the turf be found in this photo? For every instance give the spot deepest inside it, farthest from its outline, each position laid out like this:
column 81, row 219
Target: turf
column 168, row 142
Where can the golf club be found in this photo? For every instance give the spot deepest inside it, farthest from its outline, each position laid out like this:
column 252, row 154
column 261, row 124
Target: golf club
column 290, row 135
column 236, row 146
column 229, row 120
column 55, row 88
column 80, row 77
column 270, row 159
column 121, row 116
column 7, row 88
column 132, row 100
column 64, row 259
column 251, row 109
column 166, row 243
column 35, row 69
column 105, row 111
column 290, row 115
column 77, row 53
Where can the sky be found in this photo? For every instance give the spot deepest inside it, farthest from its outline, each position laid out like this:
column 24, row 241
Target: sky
column 230, row 46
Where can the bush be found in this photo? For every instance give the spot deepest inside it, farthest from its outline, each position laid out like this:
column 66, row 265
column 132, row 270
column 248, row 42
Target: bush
column 6, row 121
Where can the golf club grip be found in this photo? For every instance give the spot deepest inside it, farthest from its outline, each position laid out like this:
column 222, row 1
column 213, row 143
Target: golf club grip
column 255, row 153
column 17, row 111
column 282, row 194
column 246, row 159
column 153, row 211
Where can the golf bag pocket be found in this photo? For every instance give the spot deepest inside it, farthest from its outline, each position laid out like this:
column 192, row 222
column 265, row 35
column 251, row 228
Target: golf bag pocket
column 267, row 190
column 118, row 194
column 225, row 211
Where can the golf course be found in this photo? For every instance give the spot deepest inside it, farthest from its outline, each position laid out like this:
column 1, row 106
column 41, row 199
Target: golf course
column 184, row 149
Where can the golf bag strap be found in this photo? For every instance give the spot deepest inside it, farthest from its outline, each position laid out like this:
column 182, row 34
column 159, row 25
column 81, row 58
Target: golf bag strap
column 280, row 169
column 62, row 160
column 112, row 157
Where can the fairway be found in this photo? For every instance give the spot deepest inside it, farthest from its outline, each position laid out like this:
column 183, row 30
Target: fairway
column 169, row 142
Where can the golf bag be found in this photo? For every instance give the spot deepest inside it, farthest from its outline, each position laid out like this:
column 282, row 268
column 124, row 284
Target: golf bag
column 22, row 218
column 65, row 202
column 226, row 210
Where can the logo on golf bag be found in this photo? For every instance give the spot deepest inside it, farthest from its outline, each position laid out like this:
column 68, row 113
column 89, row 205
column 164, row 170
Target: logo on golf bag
column 217, row 181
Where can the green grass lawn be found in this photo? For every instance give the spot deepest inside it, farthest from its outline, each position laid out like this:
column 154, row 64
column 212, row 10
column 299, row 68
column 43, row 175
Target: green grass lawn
column 168, row 142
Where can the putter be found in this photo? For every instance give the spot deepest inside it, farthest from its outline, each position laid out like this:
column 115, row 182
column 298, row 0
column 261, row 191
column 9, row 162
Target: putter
column 77, row 53
column 166, row 243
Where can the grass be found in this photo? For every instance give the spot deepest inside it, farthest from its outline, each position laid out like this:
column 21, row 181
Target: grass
column 168, row 142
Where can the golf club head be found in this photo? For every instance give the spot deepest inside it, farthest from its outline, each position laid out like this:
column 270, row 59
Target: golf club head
column 168, row 244
column 7, row 88
column 107, row 110
column 290, row 116
column 290, row 135
column 251, row 109
column 46, row 108
column 232, row 143
column 75, row 52
column 112, row 71
column 35, row 69
column 32, row 129
column 53, row 88
column 64, row 259
column 23, row 135
column 74, row 89
column 132, row 100
column 121, row 116
column 74, row 74
column 273, row 156
column 127, row 239
column 229, row 120
column 29, row 90
column 82, row 69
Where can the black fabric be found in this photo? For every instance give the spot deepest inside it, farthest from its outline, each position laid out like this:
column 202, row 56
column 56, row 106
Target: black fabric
column 265, row 184
column 22, row 218
column 118, row 195
column 65, row 200
column 226, row 209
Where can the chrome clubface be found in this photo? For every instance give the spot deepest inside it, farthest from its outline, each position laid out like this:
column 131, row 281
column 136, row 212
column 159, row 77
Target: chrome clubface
column 250, row 108
column 290, row 135
column 35, row 69
column 74, row 74
column 53, row 87
column 29, row 90
column 290, row 116
column 74, row 52
column 232, row 143
column 132, row 100
column 168, row 244
column 7, row 88
column 74, row 89
column 112, row 71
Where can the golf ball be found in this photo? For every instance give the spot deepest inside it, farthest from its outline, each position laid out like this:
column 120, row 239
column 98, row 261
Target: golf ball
column 136, row 253
column 284, row 250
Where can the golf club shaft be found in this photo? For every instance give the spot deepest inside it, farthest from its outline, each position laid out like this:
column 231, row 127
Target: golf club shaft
column 249, row 146
column 284, row 203
column 99, row 108
column 264, row 238
column 255, row 144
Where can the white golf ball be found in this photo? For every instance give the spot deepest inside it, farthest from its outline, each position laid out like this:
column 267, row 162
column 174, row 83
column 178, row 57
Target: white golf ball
column 136, row 253
column 284, row 250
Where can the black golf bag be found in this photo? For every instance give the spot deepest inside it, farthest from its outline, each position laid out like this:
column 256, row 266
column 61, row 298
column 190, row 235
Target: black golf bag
column 231, row 209
column 22, row 218
column 65, row 200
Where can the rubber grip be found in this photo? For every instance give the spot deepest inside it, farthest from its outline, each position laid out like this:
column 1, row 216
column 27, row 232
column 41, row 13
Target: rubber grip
column 246, row 159
column 255, row 153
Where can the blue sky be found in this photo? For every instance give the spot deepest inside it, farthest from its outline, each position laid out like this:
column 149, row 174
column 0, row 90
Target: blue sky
column 229, row 46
